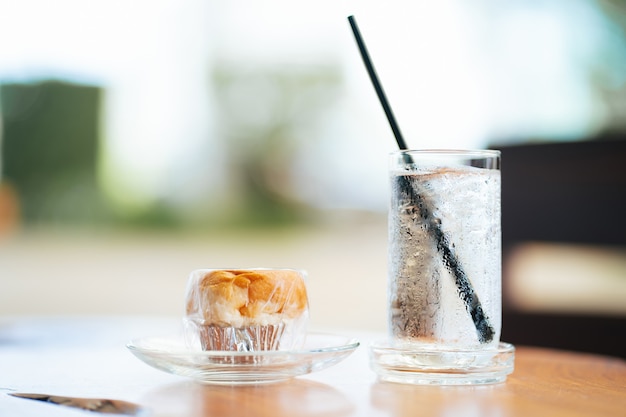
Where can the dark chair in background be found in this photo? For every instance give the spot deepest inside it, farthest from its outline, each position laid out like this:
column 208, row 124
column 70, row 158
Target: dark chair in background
column 573, row 193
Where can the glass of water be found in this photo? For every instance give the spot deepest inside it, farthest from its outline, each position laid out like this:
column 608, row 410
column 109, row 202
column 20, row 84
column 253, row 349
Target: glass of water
column 444, row 283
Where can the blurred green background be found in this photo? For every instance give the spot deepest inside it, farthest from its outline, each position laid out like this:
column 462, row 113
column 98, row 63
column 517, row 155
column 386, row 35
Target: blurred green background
column 141, row 141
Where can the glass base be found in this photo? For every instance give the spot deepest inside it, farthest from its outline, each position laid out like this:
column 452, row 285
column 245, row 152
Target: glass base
column 427, row 365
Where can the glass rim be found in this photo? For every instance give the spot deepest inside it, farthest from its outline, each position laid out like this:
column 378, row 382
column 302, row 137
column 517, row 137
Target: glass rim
column 450, row 152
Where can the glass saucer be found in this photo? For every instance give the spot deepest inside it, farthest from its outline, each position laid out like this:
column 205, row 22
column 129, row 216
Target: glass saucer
column 427, row 365
column 170, row 354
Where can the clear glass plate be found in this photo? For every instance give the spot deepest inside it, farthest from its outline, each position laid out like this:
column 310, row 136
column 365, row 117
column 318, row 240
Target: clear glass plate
column 427, row 364
column 170, row 354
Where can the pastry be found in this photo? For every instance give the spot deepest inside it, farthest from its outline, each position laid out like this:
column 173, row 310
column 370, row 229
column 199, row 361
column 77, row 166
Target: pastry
column 246, row 309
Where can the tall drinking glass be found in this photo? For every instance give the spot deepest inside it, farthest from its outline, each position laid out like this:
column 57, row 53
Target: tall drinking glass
column 444, row 283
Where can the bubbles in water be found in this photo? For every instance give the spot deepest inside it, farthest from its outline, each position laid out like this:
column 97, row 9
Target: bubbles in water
column 426, row 302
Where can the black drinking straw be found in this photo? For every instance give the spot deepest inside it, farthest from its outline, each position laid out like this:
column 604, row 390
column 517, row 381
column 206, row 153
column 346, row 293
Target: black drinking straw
column 466, row 291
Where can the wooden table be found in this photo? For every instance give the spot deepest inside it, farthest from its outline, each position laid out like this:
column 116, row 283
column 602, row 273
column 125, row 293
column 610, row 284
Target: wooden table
column 86, row 357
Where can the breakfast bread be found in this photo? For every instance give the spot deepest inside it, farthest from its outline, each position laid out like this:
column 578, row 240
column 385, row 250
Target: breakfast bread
column 246, row 309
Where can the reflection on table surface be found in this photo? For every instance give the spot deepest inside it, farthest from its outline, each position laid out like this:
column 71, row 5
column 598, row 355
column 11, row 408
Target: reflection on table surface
column 86, row 358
